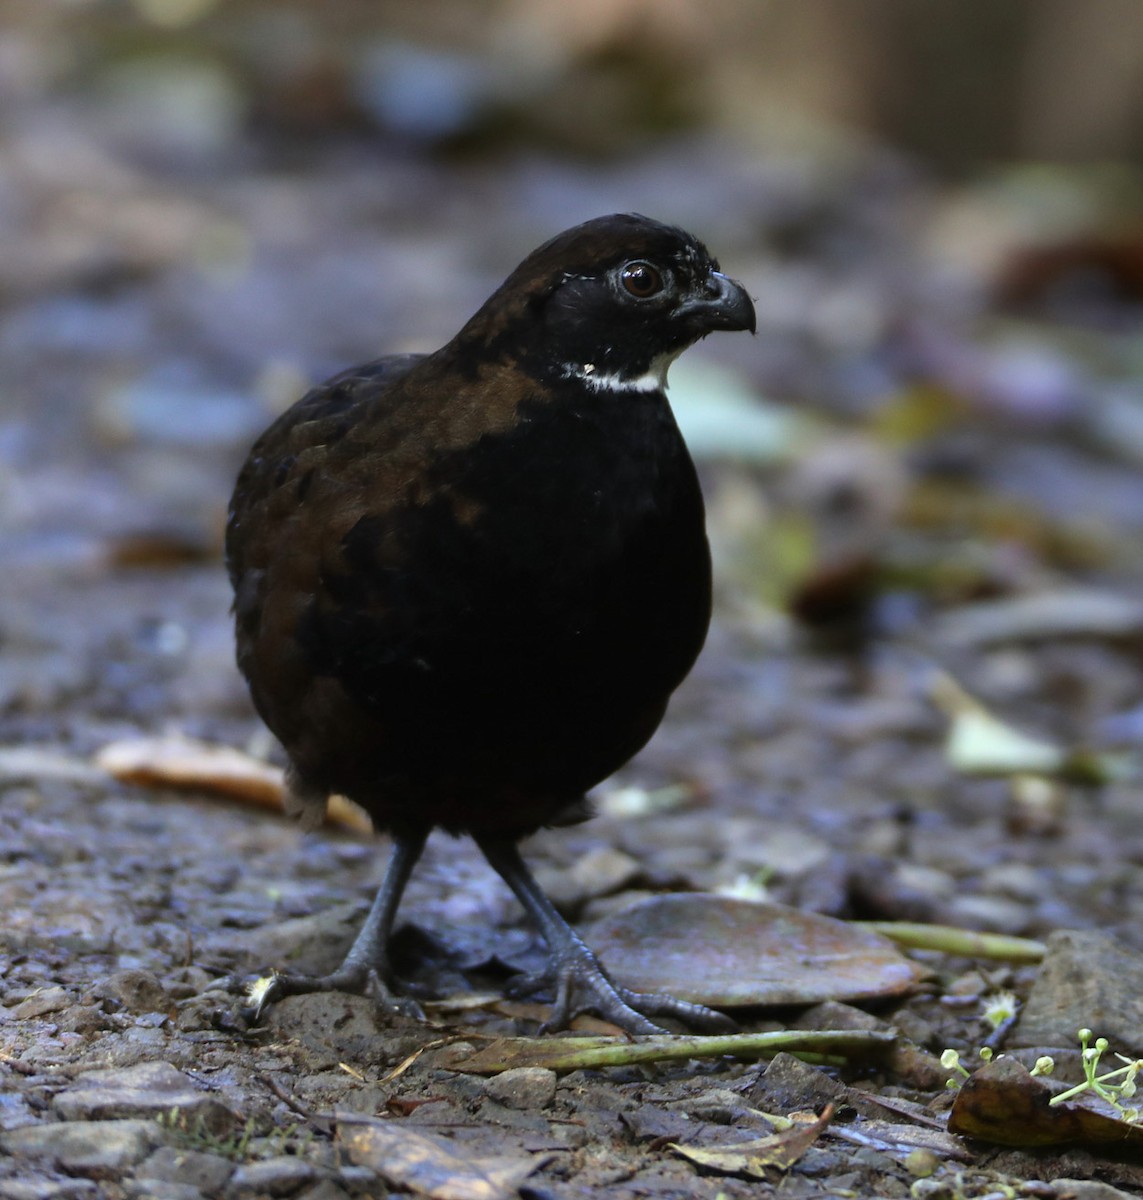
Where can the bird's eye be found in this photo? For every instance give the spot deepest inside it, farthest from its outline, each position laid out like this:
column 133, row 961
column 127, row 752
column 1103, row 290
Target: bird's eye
column 641, row 280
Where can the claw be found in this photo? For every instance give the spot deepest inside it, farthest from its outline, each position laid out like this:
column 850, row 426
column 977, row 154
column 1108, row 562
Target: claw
column 582, row 985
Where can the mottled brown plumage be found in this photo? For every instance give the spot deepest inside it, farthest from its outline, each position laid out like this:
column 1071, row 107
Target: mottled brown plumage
column 466, row 583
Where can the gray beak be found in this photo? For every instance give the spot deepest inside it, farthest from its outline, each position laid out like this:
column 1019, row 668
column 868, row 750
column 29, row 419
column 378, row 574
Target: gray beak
column 721, row 303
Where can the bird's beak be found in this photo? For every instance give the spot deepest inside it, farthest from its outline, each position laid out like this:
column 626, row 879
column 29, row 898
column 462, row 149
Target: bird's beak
column 720, row 303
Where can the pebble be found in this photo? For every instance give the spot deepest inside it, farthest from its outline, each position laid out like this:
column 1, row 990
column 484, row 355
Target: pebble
column 603, row 870
column 358, row 1179
column 523, row 1087
column 148, row 1089
column 326, row 1189
column 1087, row 980
column 47, row 1189
column 138, row 991
column 85, row 1147
column 158, row 1189
column 192, row 1168
column 280, row 1176
column 39, row 1004
column 988, row 912
column 1087, row 1189
column 788, row 1083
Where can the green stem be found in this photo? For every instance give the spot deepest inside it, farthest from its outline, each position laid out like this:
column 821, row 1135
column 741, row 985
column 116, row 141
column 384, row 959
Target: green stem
column 966, row 943
column 572, row 1053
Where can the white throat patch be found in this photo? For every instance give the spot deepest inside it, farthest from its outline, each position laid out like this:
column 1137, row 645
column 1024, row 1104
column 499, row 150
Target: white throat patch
column 654, row 379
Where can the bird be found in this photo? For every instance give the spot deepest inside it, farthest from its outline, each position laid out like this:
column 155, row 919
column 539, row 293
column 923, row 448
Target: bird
column 467, row 582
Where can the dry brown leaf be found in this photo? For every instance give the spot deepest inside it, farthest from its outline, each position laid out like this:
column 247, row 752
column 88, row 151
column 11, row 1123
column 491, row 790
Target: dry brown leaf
column 175, row 761
column 1005, row 1104
column 415, row 1162
column 731, row 953
column 757, row 1159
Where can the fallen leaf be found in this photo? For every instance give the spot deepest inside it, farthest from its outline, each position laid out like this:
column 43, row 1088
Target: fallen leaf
column 979, row 743
column 726, row 952
column 758, row 1158
column 427, row 1166
column 1005, row 1104
column 175, row 761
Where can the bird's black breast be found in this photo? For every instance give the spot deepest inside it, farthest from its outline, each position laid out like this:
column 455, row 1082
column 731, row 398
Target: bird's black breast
column 474, row 629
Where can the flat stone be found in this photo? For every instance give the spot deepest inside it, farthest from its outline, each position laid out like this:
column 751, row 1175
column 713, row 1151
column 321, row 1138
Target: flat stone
column 40, row 1004
column 280, row 1176
column 1087, row 980
column 523, row 1087
column 15, row 1111
column 47, row 1189
column 148, row 1089
column 997, row 913
column 205, row 1172
column 96, row 1148
column 159, row 1189
column 1087, row 1189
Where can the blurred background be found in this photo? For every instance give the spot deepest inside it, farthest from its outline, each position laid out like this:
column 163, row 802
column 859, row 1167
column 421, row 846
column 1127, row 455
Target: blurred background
column 205, row 205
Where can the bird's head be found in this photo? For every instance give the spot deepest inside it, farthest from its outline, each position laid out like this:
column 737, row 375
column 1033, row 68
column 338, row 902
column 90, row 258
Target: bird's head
column 612, row 301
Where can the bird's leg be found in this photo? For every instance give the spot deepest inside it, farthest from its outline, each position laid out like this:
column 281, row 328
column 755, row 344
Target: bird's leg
column 580, row 982
column 366, row 966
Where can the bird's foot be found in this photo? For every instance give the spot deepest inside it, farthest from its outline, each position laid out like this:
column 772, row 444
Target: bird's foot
column 582, row 985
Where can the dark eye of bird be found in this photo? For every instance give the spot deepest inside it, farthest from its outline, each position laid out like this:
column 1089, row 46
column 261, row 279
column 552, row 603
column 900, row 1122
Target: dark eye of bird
column 641, row 280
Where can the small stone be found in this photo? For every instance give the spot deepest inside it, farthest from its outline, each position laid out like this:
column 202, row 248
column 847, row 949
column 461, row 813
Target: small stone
column 719, row 1106
column 280, row 1176
column 39, row 1004
column 205, row 1172
column 47, row 1189
column 148, row 1089
column 138, row 991
column 833, row 1014
column 603, row 870
column 1087, row 1189
column 988, row 912
column 95, row 1148
column 788, row 1083
column 158, row 1189
column 1087, row 980
column 358, row 1179
column 326, row 1189
column 650, row 1123
column 523, row 1087
column 87, row 1019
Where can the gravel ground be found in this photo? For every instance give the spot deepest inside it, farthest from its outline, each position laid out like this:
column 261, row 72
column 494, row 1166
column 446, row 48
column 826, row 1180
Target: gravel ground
column 929, row 462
